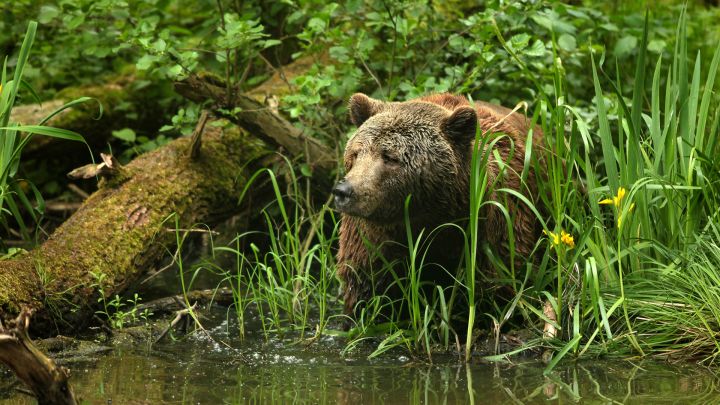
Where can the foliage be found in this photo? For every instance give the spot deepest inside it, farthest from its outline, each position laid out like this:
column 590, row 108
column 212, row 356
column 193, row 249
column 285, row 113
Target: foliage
column 113, row 310
column 644, row 161
column 398, row 50
column 664, row 158
column 14, row 138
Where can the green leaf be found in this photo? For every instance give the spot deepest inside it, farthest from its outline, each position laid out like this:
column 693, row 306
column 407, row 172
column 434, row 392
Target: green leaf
column 606, row 139
column 625, row 45
column 72, row 104
column 519, row 42
column 126, row 134
column 47, row 14
column 339, row 53
column 657, row 46
column 567, row 43
column 270, row 43
column 537, row 49
column 160, row 45
column 72, row 22
column 316, row 24
column 565, row 349
column 146, row 62
column 47, row 131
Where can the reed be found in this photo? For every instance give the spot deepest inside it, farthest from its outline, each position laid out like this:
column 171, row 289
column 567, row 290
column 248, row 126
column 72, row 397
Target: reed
column 629, row 204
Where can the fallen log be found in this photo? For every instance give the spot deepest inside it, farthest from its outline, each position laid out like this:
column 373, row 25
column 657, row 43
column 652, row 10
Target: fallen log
column 120, row 230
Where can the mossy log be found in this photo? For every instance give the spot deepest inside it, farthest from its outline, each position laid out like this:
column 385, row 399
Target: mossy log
column 120, row 231
column 126, row 102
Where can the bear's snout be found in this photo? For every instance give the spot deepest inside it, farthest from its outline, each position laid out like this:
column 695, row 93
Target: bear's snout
column 343, row 192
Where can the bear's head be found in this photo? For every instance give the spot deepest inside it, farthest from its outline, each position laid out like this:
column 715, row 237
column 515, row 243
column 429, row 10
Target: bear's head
column 414, row 148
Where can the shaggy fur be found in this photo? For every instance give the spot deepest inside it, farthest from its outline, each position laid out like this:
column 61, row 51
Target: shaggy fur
column 422, row 148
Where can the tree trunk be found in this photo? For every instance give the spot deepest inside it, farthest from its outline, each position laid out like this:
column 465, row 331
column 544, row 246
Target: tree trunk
column 122, row 229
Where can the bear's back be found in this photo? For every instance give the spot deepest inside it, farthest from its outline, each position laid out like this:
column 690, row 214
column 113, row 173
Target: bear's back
column 491, row 117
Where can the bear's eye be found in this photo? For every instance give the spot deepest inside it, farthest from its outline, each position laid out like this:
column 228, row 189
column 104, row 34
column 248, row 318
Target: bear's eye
column 389, row 158
column 350, row 161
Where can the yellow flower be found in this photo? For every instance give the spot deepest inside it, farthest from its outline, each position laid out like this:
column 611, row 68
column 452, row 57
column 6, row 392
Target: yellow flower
column 553, row 237
column 567, row 239
column 616, row 199
column 621, row 193
column 628, row 211
column 563, row 237
column 617, row 202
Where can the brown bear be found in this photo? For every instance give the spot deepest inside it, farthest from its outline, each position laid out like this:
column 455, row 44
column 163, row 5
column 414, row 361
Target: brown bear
column 422, row 148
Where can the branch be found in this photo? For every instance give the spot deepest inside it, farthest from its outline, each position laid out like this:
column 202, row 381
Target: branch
column 257, row 119
column 47, row 381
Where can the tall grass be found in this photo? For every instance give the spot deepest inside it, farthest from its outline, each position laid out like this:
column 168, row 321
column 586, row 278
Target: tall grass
column 14, row 138
column 287, row 279
column 634, row 192
column 658, row 178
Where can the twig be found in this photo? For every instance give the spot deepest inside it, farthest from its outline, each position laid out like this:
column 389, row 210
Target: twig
column 196, row 142
column 179, row 315
column 77, row 190
column 193, row 230
column 61, row 206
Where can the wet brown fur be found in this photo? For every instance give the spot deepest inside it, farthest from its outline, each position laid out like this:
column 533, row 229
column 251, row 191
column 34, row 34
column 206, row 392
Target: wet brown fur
column 440, row 192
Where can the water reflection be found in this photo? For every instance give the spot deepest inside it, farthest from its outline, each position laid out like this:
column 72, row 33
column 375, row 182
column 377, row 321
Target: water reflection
column 199, row 370
column 180, row 373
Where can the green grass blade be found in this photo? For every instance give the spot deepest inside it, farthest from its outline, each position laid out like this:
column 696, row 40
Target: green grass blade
column 571, row 345
column 706, row 99
column 606, row 141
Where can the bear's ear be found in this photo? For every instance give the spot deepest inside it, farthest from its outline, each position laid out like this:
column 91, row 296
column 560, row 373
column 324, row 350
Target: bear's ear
column 363, row 107
column 461, row 125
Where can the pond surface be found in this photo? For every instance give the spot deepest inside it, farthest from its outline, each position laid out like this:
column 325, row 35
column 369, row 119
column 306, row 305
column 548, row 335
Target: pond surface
column 200, row 370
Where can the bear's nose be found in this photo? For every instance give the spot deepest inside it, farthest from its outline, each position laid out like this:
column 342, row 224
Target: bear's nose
column 342, row 192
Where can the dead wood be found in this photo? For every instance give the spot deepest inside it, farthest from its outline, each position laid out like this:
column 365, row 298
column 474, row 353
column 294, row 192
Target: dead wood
column 166, row 305
column 121, row 230
column 181, row 315
column 48, row 382
column 109, row 167
column 258, row 119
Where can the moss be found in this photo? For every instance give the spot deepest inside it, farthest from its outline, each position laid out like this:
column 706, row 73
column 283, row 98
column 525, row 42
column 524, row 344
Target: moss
column 120, row 231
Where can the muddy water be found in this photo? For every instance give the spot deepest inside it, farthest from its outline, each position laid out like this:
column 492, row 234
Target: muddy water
column 200, row 370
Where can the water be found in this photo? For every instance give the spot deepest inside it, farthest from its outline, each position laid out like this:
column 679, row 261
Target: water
column 200, row 370
column 135, row 378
